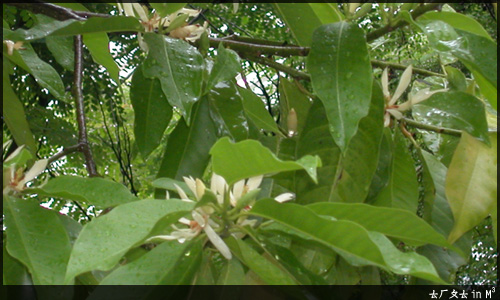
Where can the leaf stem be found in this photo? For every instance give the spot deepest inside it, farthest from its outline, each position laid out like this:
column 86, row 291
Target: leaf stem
column 428, row 127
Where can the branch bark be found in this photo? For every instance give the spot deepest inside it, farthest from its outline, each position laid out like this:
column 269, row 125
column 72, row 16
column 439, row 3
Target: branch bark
column 437, row 129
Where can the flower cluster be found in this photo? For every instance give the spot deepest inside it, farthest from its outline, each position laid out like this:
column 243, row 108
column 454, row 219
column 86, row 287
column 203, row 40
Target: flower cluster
column 14, row 177
column 391, row 108
column 204, row 219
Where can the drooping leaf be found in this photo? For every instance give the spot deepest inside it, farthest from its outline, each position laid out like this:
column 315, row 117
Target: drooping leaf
column 152, row 113
column 164, row 9
column 98, row 45
column 179, row 67
column 456, row 110
column 471, row 183
column 187, row 151
column 267, row 271
column 37, row 238
column 236, row 161
column 402, row 188
column 341, row 76
column 61, row 48
column 227, row 65
column 104, row 240
column 292, row 97
column 46, row 76
column 458, row 21
column 304, row 18
column 97, row 191
column 14, row 117
column 14, row 272
column 394, row 222
column 170, row 263
column 257, row 112
column 226, row 110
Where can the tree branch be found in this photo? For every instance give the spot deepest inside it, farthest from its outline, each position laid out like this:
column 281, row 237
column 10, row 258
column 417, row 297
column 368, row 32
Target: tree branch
column 437, row 129
column 64, row 152
column 383, row 64
column 80, row 110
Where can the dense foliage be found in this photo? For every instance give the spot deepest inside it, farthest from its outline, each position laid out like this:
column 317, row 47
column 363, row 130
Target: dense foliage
column 307, row 143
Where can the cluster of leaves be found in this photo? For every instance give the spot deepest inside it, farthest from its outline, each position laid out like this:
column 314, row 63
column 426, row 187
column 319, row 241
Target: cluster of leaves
column 371, row 201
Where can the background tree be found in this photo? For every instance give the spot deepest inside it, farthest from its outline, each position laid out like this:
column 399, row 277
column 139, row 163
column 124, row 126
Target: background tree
column 152, row 94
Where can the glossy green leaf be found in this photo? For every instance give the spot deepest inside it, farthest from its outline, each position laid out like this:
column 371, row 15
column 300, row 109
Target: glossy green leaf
column 456, row 79
column 428, row 188
column 458, row 21
column 226, row 110
column 152, row 113
column 37, row 238
column 345, row 237
column 205, row 274
column 236, row 161
column 292, row 97
column 168, row 184
column 444, row 260
column 402, row 188
column 97, row 191
column 98, row 24
column 383, row 172
column 232, row 273
column 394, row 222
column 227, row 65
column 179, row 67
column 45, row 26
column 61, row 48
column 46, row 76
column 256, row 111
column 14, row 272
column 341, row 75
column 98, row 45
column 187, row 151
column 164, row 9
column 104, row 240
column 360, row 160
column 304, row 18
column 267, row 271
column 73, row 228
column 14, row 117
column 487, row 89
column 169, row 263
column 456, row 110
column 471, row 183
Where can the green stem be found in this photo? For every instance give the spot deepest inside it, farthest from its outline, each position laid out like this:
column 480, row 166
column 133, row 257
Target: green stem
column 383, row 64
column 428, row 127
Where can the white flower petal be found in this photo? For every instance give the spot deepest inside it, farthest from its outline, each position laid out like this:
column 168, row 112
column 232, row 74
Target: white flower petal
column 200, row 189
column 218, row 242
column 403, row 84
column 387, row 119
column 128, row 9
column 238, row 189
column 198, row 218
column 184, row 221
column 385, row 84
column 254, row 182
column 181, row 193
column 396, row 113
column 284, row 197
column 37, row 168
column 191, row 183
column 424, row 94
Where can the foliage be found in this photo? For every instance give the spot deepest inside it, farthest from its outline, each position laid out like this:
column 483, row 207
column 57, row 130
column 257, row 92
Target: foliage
column 203, row 120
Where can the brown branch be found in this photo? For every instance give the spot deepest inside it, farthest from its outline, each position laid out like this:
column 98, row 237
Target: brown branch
column 428, row 127
column 271, row 63
column 242, row 47
column 64, row 152
column 54, row 11
column 80, row 110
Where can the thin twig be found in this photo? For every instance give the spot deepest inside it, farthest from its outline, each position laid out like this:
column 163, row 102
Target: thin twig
column 80, row 109
column 64, row 152
column 428, row 127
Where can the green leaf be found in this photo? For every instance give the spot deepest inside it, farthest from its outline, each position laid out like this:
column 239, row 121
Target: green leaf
column 45, row 26
column 402, row 188
column 168, row 184
column 14, row 117
column 456, row 110
column 179, row 67
column 232, row 273
column 458, row 21
column 236, row 161
column 98, row 45
column 270, row 273
column 341, row 75
column 97, row 191
column 104, row 240
column 14, row 272
column 169, row 263
column 61, row 48
column 292, row 97
column 383, row 172
column 256, row 110
column 46, row 76
column 304, row 18
column 345, row 237
column 226, row 110
column 98, row 24
column 164, row 9
column 471, row 183
column 227, row 65
column 360, row 161
column 152, row 113
column 487, row 89
column 187, row 151
column 37, row 238
column 394, row 222
column 456, row 79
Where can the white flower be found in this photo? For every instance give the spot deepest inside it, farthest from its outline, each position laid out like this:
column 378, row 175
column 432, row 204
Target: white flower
column 17, row 181
column 396, row 110
column 11, row 46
